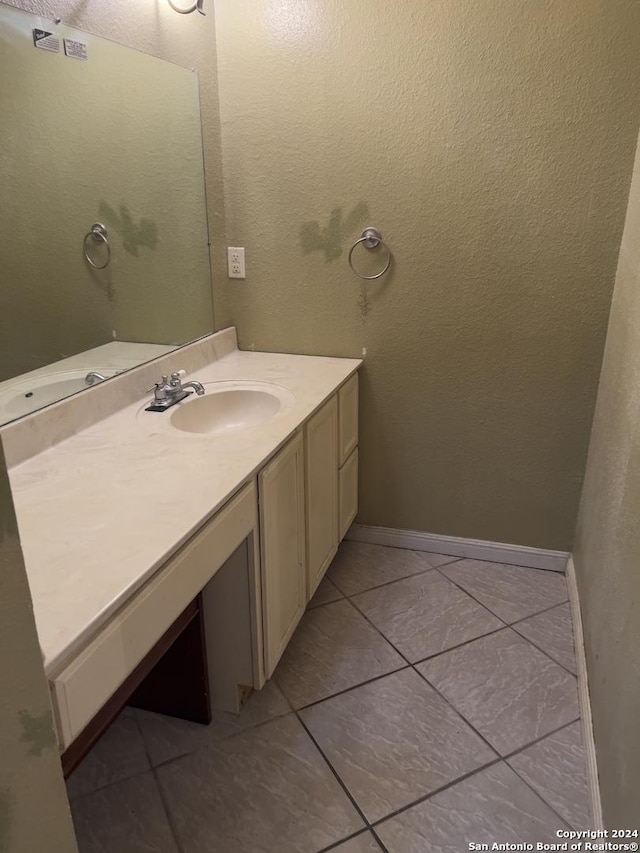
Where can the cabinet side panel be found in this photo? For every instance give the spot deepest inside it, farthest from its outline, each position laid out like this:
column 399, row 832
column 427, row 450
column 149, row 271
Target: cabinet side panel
column 348, row 414
column 321, row 481
column 348, row 493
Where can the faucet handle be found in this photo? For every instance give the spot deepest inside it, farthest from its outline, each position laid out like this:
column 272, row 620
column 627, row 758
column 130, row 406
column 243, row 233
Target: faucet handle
column 157, row 386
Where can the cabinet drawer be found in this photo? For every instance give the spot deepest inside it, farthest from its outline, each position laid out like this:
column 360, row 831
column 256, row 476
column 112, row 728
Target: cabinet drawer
column 348, row 418
column 348, row 487
column 80, row 690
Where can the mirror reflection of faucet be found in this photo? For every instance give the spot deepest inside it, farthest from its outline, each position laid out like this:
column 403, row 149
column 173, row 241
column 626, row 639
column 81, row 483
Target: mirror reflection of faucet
column 93, row 376
column 167, row 392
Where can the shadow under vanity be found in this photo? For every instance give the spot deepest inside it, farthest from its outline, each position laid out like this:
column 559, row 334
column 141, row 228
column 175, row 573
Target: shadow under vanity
column 169, row 569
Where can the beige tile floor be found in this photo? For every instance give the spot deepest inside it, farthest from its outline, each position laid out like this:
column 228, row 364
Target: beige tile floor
column 423, row 703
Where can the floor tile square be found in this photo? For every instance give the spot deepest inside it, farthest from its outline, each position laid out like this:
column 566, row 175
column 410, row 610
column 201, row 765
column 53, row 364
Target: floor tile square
column 393, row 741
column 325, row 593
column 507, row 689
column 359, row 566
column 556, row 768
column 267, row 790
column 425, row 614
column 128, row 816
column 169, row 737
column 332, row 649
column 491, row 806
column 119, row 754
column 364, row 843
column 552, row 631
column 511, row 592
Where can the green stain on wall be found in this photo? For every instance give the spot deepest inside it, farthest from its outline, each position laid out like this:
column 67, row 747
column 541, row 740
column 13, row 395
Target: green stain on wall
column 6, row 819
column 37, row 731
column 330, row 238
column 134, row 236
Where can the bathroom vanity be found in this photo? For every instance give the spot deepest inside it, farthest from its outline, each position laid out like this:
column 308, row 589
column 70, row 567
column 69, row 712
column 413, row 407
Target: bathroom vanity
column 210, row 524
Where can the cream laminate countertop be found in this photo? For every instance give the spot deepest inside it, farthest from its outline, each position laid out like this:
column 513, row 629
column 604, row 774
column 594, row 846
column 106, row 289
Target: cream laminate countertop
column 99, row 513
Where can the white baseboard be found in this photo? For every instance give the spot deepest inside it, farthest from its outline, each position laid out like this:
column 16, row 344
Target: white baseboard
column 475, row 549
column 583, row 697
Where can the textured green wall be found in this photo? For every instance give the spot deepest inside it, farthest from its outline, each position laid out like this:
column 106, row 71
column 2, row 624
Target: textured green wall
column 492, row 143
column 115, row 139
column 607, row 550
column 34, row 813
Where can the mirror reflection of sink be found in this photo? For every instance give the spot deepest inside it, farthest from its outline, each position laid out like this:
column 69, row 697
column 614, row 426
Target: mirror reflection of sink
column 230, row 406
column 24, row 398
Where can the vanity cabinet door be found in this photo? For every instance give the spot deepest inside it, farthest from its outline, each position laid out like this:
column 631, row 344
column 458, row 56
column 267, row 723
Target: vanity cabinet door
column 321, row 478
column 282, row 534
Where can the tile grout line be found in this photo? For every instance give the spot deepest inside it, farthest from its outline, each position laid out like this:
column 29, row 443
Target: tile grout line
column 348, row 689
column 386, row 583
column 511, row 625
column 528, row 784
column 505, row 624
column 490, row 634
column 378, row 631
column 334, row 772
column 470, row 724
column 426, row 680
column 101, row 788
column 383, row 846
column 497, row 761
column 440, row 790
column 342, row 841
column 457, row 712
column 460, row 645
column 539, row 613
column 547, row 655
column 538, row 740
column 532, row 788
column 161, row 794
column 508, row 624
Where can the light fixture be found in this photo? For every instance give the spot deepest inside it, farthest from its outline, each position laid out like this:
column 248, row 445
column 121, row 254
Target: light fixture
column 187, row 10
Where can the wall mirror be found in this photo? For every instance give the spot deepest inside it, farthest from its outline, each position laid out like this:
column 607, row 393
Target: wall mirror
column 93, row 133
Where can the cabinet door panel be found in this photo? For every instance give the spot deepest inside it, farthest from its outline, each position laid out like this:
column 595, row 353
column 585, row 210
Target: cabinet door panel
column 282, row 533
column 348, row 417
column 348, row 492
column 321, row 479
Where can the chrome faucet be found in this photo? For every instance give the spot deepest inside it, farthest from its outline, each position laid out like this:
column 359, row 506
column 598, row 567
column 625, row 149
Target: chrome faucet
column 167, row 392
column 93, row 376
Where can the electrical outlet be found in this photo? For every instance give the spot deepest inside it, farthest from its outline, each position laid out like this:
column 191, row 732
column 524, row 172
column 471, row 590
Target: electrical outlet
column 235, row 262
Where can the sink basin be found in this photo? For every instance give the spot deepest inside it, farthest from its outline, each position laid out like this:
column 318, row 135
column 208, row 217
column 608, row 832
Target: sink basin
column 228, row 409
column 26, row 397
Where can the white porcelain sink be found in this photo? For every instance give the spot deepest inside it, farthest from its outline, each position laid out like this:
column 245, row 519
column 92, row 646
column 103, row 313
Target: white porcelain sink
column 227, row 407
column 25, row 397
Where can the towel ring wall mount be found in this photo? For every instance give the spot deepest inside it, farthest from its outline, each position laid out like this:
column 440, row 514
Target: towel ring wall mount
column 98, row 233
column 370, row 238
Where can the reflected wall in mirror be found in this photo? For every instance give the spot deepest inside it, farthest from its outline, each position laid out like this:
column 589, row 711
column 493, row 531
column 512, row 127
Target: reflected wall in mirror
column 113, row 138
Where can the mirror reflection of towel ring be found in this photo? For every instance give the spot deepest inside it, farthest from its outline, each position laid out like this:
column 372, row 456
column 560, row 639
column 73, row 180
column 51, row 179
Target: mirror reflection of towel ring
column 181, row 10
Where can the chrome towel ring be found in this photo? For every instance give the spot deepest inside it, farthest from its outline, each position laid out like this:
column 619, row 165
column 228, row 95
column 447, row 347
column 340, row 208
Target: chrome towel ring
column 99, row 233
column 371, row 238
